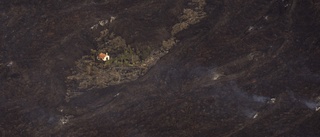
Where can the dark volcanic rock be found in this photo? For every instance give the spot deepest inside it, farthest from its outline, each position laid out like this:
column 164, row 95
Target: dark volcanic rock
column 215, row 68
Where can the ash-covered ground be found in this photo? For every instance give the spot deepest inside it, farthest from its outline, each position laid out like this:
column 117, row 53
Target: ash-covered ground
column 177, row 68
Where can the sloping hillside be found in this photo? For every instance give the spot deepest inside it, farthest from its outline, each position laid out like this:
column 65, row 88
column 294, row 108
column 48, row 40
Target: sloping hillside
column 177, row 68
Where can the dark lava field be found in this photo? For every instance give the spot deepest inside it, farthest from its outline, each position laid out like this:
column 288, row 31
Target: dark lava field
column 177, row 68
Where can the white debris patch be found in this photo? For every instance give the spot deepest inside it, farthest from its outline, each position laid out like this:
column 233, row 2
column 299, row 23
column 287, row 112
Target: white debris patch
column 116, row 95
column 103, row 23
column 94, row 26
column 216, row 75
column 65, row 119
column 255, row 115
column 112, row 18
column 10, row 64
column 250, row 113
column 250, row 28
column 272, row 100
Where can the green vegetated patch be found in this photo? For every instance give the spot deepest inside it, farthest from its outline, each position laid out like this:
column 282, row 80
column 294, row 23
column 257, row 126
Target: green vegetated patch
column 127, row 63
column 190, row 16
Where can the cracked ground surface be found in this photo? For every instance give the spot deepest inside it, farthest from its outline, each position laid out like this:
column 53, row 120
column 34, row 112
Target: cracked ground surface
column 211, row 68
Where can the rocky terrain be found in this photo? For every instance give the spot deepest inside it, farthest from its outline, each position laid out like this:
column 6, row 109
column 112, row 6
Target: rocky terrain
column 177, row 68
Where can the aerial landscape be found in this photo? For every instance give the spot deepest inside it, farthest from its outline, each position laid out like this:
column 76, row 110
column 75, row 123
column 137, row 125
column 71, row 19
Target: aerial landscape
column 160, row 68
